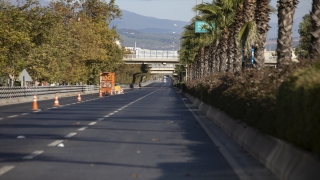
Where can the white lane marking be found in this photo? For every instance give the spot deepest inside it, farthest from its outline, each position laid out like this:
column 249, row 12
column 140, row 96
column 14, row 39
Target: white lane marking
column 106, row 116
column 115, row 111
column 67, row 105
column 1, row 119
column 38, row 111
column 241, row 173
column 32, row 155
column 12, row 116
column 70, row 135
column 92, row 123
column 49, row 108
column 111, row 114
column 54, row 143
column 119, row 109
column 54, row 107
column 83, row 128
column 24, row 114
column 5, row 169
column 74, row 103
column 100, row 119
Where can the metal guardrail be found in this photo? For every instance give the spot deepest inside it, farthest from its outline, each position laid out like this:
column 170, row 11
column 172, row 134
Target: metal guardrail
column 16, row 92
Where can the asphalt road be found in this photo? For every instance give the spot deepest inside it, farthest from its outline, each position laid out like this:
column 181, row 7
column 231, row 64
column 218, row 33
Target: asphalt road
column 150, row 133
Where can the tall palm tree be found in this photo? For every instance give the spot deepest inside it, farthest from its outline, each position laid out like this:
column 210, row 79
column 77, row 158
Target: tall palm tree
column 221, row 14
column 315, row 21
column 286, row 10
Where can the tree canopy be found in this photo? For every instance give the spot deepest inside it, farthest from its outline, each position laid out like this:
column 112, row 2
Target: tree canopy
column 66, row 41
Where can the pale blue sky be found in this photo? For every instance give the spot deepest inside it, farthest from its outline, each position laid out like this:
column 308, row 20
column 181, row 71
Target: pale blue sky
column 182, row 9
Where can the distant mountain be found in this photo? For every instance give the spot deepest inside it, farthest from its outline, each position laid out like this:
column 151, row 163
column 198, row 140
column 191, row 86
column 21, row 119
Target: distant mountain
column 146, row 24
column 153, row 33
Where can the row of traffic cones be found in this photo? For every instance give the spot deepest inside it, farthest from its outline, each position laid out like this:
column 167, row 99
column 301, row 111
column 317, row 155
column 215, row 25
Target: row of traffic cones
column 56, row 101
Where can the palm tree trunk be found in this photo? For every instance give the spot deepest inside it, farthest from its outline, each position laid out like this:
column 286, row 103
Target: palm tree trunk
column 315, row 21
column 223, row 50
column 286, row 9
column 262, row 20
column 233, row 37
column 248, row 15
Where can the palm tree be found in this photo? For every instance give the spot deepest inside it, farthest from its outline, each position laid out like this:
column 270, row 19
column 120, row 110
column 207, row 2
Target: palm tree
column 315, row 21
column 221, row 14
column 286, row 10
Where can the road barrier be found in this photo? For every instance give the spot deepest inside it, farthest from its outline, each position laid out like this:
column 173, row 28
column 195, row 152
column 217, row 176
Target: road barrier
column 18, row 92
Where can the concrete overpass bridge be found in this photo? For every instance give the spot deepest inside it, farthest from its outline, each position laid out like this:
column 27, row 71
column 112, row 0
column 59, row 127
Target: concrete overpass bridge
column 160, row 61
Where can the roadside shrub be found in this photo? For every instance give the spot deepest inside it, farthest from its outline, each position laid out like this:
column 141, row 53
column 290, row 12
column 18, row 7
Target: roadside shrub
column 282, row 102
column 298, row 108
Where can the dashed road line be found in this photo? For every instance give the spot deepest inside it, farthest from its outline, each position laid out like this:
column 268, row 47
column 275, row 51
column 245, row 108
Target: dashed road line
column 70, row 135
column 92, row 123
column 1, row 119
column 54, row 143
column 100, row 119
column 32, row 155
column 5, row 169
column 111, row 114
column 12, row 116
column 83, row 128
column 115, row 111
column 106, row 116
column 24, row 114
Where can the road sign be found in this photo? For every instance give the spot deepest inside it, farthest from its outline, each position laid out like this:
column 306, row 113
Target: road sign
column 202, row 27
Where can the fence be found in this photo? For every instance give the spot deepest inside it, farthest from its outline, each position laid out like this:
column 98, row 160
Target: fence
column 156, row 54
column 16, row 92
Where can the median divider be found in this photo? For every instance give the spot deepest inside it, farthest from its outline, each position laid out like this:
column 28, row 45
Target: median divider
column 287, row 161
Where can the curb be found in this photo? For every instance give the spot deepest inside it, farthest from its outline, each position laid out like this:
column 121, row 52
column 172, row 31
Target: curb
column 288, row 162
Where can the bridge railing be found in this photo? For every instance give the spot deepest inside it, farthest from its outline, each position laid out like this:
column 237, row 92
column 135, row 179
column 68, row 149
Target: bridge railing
column 156, row 54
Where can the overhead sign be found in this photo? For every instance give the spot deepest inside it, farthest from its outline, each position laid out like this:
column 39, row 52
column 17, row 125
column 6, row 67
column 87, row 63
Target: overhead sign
column 202, row 27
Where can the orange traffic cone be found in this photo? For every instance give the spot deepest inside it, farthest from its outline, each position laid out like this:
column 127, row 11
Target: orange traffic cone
column 56, row 101
column 79, row 97
column 100, row 94
column 34, row 103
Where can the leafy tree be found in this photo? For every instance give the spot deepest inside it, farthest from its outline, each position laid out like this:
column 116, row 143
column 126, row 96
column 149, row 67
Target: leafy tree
column 302, row 50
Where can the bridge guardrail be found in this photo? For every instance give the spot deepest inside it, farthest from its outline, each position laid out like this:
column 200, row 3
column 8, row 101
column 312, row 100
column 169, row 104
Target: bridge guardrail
column 157, row 54
column 16, row 92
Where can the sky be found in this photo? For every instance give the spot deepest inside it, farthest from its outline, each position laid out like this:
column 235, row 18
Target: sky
column 182, row 9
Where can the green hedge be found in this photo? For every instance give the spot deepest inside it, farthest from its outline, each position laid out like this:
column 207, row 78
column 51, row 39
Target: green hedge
column 283, row 102
column 298, row 108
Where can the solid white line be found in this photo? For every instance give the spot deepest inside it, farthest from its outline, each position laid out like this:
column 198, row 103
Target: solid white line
column 5, row 169
column 70, row 135
column 32, row 155
column 92, row 123
column 241, row 173
column 12, row 116
column 83, row 128
column 54, row 143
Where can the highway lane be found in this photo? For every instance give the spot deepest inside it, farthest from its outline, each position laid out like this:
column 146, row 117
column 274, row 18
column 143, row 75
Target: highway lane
column 147, row 133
